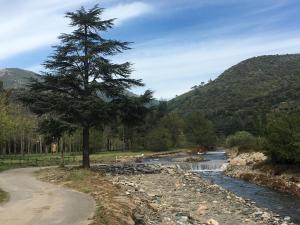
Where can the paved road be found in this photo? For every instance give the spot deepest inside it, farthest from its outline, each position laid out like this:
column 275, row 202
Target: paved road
column 33, row 202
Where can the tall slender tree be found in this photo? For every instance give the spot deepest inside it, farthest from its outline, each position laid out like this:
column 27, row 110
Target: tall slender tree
column 82, row 86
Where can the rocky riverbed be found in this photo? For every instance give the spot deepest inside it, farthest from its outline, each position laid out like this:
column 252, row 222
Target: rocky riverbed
column 174, row 197
column 144, row 194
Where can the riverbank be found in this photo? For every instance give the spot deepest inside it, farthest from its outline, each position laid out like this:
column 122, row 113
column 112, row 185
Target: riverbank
column 253, row 167
column 155, row 195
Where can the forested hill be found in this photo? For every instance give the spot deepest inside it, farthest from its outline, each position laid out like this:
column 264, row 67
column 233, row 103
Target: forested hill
column 14, row 78
column 254, row 86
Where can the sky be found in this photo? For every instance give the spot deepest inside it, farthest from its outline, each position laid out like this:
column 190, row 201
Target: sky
column 176, row 43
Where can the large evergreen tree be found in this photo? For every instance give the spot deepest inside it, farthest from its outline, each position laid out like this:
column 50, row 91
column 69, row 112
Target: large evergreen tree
column 82, row 86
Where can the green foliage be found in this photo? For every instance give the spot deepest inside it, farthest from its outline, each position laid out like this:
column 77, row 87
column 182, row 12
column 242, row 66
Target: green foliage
column 83, row 87
column 159, row 139
column 200, row 131
column 240, row 98
column 54, row 129
column 283, row 137
column 174, row 124
column 243, row 140
column 15, row 121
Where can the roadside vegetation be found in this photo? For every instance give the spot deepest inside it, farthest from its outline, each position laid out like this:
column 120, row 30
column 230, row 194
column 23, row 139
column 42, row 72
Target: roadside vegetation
column 3, row 196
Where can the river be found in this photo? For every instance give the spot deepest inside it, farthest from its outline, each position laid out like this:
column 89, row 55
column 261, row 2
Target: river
column 278, row 202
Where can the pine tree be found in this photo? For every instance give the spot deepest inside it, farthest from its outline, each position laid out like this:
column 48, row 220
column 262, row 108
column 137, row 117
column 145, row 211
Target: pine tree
column 82, row 86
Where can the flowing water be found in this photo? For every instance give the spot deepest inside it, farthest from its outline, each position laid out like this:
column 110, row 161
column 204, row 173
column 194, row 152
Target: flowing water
column 278, row 202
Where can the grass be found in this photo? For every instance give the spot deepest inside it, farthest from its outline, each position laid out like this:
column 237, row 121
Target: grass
column 40, row 160
column 3, row 196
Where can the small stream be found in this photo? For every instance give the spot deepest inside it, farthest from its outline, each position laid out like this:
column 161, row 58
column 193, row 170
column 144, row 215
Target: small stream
column 278, row 202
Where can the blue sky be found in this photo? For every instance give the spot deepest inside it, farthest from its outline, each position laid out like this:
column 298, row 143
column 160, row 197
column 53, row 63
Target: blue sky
column 177, row 43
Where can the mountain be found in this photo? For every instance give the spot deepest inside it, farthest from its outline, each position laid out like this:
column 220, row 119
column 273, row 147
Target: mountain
column 251, row 88
column 14, row 78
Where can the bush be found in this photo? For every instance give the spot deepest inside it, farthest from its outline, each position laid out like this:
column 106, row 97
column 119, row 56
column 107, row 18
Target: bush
column 243, row 140
column 200, row 131
column 283, row 138
column 159, row 139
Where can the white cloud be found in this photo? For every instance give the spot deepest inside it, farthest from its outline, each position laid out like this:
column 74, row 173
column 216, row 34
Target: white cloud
column 128, row 11
column 31, row 24
column 174, row 67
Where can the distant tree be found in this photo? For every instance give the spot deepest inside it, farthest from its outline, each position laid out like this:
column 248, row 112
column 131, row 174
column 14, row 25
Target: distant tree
column 158, row 139
column 53, row 130
column 283, row 137
column 200, row 131
column 132, row 113
column 82, row 84
column 175, row 126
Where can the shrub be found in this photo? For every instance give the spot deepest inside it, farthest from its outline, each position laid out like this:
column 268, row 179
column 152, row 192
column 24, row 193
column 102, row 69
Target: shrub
column 283, row 138
column 243, row 140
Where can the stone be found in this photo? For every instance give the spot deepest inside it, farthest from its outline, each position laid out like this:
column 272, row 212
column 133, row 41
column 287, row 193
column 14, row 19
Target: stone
column 184, row 219
column 287, row 218
column 266, row 215
column 199, row 190
column 212, row 222
column 202, row 210
column 258, row 214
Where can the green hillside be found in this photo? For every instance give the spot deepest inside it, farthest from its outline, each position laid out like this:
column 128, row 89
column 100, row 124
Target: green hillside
column 14, row 78
column 244, row 93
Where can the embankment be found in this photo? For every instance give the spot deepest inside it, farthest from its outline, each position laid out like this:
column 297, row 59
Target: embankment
column 254, row 167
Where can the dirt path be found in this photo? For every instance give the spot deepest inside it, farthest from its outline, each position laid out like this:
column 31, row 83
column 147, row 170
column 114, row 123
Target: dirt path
column 34, row 202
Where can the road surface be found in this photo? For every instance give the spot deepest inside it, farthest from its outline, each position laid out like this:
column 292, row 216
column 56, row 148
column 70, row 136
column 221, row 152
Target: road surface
column 33, row 202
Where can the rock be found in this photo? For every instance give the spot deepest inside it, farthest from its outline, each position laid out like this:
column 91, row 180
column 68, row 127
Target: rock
column 199, row 190
column 212, row 222
column 127, row 169
column 287, row 218
column 154, row 206
column 258, row 214
column 202, row 210
column 183, row 219
column 266, row 215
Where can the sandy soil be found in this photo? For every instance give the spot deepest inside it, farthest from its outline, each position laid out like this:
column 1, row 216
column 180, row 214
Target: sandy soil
column 33, row 202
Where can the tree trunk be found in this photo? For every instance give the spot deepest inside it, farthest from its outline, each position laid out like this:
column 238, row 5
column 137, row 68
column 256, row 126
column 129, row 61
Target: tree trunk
column 15, row 145
column 85, row 145
column 41, row 144
column 22, row 143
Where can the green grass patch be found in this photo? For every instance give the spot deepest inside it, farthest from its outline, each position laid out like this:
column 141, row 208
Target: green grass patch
column 3, row 196
column 40, row 160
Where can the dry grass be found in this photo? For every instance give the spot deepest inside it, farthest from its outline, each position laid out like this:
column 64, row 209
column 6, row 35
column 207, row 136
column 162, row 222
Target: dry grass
column 113, row 206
